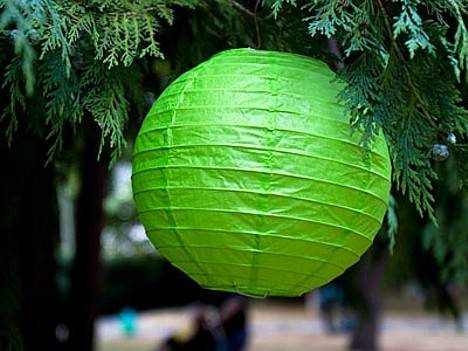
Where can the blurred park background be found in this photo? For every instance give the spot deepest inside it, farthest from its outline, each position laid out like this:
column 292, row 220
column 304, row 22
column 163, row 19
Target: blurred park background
column 399, row 297
column 143, row 300
column 77, row 271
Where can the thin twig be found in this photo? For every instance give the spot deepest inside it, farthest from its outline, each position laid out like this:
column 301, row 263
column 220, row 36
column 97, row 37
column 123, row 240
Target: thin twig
column 252, row 14
column 241, row 8
column 257, row 27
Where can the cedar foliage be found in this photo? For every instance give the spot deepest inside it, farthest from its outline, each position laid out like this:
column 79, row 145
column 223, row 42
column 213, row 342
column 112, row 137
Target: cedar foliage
column 76, row 56
column 406, row 61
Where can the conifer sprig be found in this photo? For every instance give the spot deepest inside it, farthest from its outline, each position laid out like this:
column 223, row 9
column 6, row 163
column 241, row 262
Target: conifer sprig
column 404, row 63
column 56, row 35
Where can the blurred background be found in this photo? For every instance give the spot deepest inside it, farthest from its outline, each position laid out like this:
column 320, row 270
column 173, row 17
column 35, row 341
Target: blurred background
column 76, row 269
column 403, row 293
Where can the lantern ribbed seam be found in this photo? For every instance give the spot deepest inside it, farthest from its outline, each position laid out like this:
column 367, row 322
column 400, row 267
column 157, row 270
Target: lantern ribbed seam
column 170, row 215
column 278, row 129
column 247, row 265
column 319, row 101
column 324, row 243
column 299, row 176
column 280, row 254
column 277, row 292
column 263, row 148
column 283, row 67
column 266, row 214
column 258, row 108
column 249, row 191
column 243, row 74
column 248, row 287
column 278, row 55
column 267, row 291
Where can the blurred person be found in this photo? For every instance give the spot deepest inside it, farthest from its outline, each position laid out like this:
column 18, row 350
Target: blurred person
column 312, row 302
column 203, row 334
column 455, row 294
column 128, row 321
column 331, row 299
column 233, row 315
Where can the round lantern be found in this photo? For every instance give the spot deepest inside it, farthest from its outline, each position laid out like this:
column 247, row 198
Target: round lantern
column 247, row 177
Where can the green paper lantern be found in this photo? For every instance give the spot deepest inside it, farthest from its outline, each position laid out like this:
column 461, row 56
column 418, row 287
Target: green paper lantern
column 247, row 178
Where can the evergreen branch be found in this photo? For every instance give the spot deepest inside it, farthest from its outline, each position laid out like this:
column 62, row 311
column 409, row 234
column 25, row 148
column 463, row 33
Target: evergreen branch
column 400, row 55
column 17, row 103
column 386, row 90
column 112, row 32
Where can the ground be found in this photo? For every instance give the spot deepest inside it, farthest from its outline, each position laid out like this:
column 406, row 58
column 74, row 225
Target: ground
column 284, row 327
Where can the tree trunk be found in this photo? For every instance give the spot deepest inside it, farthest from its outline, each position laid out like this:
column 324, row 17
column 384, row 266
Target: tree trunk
column 86, row 265
column 29, row 228
column 369, row 274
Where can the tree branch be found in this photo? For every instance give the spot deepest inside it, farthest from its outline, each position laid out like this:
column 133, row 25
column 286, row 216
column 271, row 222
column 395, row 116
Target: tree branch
column 334, row 48
column 253, row 14
column 242, row 8
column 257, row 28
column 400, row 55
